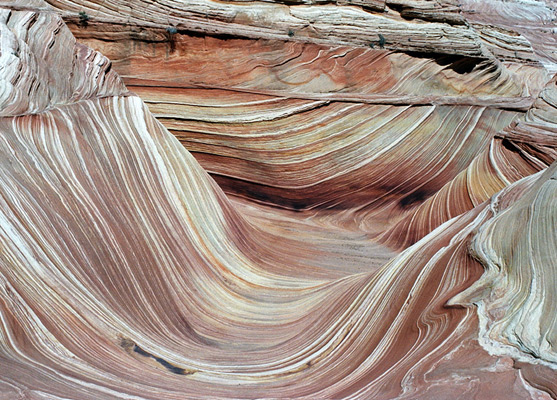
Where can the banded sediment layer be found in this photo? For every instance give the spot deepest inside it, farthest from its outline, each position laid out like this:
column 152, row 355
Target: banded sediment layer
column 312, row 200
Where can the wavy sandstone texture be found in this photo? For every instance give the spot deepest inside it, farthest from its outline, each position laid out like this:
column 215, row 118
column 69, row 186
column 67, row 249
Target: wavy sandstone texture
column 378, row 222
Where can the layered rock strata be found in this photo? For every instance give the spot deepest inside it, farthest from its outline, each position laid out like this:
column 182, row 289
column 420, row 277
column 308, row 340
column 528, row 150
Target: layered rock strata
column 127, row 272
column 312, row 119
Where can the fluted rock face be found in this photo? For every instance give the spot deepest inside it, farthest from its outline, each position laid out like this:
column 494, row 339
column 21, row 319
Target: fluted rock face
column 515, row 295
column 307, row 107
column 520, row 150
column 419, row 263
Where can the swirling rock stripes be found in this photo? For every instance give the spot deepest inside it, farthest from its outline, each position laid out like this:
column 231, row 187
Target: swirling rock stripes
column 495, row 168
column 122, row 259
column 521, row 149
column 301, row 176
column 524, row 323
column 127, row 272
column 235, row 108
column 245, row 108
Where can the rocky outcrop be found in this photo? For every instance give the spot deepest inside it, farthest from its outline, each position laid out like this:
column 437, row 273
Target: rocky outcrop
column 284, row 113
column 319, row 23
column 533, row 22
column 41, row 73
column 386, row 228
column 513, row 296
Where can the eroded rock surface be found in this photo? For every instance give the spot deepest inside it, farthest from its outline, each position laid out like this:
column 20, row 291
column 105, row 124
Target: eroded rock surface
column 379, row 221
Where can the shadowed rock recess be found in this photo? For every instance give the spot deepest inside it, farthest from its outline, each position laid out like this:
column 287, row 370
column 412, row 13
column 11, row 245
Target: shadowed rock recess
column 301, row 199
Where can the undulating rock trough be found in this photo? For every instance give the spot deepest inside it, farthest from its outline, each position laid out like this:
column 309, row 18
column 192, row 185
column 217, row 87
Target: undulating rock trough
column 297, row 199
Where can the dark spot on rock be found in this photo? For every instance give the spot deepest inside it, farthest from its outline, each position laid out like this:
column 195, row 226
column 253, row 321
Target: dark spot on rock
column 382, row 41
column 129, row 345
column 507, row 144
column 413, row 198
column 459, row 64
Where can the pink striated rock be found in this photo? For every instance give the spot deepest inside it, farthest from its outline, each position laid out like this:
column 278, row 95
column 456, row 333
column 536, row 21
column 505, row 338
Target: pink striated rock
column 386, row 228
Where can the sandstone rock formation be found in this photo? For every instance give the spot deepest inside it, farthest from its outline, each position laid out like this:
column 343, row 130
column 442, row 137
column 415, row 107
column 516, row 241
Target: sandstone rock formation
column 303, row 120
column 341, row 200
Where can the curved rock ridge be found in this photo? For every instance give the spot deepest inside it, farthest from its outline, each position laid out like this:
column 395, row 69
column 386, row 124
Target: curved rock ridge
column 514, row 296
column 521, row 149
column 126, row 272
column 329, row 156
